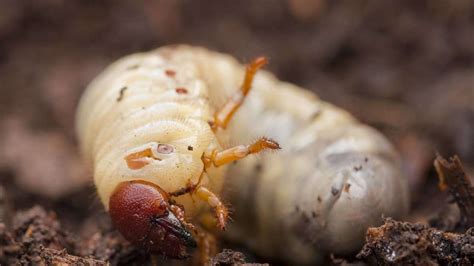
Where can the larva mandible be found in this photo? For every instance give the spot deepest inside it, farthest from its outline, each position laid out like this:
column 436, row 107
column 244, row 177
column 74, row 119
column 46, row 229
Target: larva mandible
column 152, row 127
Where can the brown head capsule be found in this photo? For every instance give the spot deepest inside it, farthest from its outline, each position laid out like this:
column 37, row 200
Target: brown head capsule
column 141, row 212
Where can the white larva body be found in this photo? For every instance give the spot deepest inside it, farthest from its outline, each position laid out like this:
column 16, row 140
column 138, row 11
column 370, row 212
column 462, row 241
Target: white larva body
column 333, row 178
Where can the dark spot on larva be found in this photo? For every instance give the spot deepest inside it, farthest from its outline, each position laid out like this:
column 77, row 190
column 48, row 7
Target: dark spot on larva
column 170, row 73
column 366, row 159
column 315, row 115
column 181, row 90
column 347, row 186
column 305, row 217
column 211, row 123
column 132, row 67
column 319, row 199
column 258, row 168
column 357, row 168
column 121, row 93
column 334, row 191
column 190, row 148
column 314, row 214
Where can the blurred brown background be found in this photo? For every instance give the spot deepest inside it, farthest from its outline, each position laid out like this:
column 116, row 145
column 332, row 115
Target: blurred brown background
column 405, row 67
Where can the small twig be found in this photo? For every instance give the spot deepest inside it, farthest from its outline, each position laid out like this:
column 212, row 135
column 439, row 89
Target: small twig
column 452, row 176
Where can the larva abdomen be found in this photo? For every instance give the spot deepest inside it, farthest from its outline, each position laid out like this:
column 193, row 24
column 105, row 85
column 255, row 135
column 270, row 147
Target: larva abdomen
column 333, row 178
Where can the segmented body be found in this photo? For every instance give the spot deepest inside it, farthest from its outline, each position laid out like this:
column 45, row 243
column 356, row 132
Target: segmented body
column 333, row 178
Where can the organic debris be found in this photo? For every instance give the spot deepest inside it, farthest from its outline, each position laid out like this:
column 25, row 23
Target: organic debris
column 453, row 177
column 397, row 243
column 230, row 258
column 37, row 238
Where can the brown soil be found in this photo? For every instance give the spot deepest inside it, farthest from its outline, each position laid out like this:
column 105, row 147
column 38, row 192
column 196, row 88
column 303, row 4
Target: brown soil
column 401, row 243
column 405, row 67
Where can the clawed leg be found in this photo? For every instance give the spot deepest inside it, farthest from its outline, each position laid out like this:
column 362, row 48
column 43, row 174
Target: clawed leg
column 210, row 198
column 218, row 158
column 222, row 213
column 223, row 116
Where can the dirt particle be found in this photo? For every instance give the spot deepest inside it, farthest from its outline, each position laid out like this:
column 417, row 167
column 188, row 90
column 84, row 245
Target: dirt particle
column 401, row 243
column 190, row 148
column 258, row 168
column 314, row 214
column 228, row 257
column 181, row 90
column 305, row 218
column 347, row 186
column 315, row 115
column 37, row 237
column 121, row 94
column 357, row 168
column 319, row 199
column 334, row 191
column 132, row 67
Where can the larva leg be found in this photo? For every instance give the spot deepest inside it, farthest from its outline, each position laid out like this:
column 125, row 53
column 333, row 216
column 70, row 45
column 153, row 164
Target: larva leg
column 223, row 116
column 218, row 158
column 210, row 198
column 221, row 210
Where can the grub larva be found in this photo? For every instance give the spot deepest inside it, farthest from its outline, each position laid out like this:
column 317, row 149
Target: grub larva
column 153, row 126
